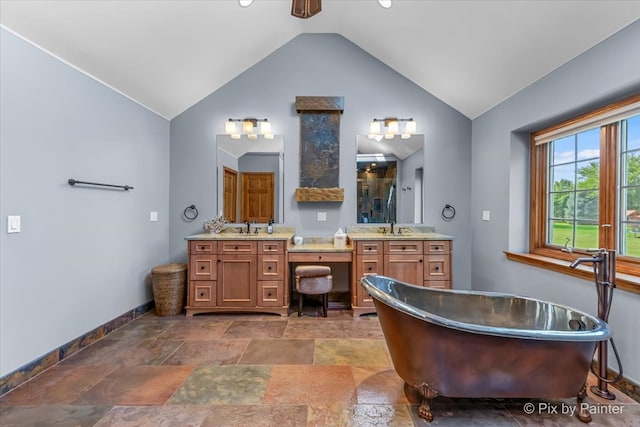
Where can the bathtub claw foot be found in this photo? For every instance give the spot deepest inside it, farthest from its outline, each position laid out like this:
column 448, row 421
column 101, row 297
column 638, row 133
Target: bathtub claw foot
column 428, row 393
column 582, row 413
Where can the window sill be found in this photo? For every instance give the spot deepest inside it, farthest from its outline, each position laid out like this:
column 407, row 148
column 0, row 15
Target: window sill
column 625, row 282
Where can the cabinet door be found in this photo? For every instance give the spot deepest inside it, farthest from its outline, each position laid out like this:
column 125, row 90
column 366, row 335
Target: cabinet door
column 270, row 293
column 202, row 293
column 236, row 281
column 405, row 268
column 202, row 267
column 271, row 267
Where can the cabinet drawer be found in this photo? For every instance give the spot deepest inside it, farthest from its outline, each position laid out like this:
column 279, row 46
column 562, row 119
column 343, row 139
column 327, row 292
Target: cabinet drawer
column 236, row 247
column 270, row 293
column 316, row 257
column 413, row 247
column 203, row 247
column 437, row 247
column 202, row 293
column 203, row 267
column 437, row 284
column 369, row 264
column 271, row 267
column 271, row 247
column 437, row 267
column 369, row 247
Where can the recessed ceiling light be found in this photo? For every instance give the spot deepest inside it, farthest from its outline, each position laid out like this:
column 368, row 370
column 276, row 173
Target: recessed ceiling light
column 385, row 3
column 245, row 3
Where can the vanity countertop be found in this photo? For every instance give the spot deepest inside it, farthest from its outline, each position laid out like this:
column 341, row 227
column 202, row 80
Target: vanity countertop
column 231, row 233
column 404, row 236
column 409, row 232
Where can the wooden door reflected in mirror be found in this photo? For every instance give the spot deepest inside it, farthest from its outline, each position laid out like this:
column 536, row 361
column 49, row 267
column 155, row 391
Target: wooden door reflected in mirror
column 257, row 196
column 230, row 194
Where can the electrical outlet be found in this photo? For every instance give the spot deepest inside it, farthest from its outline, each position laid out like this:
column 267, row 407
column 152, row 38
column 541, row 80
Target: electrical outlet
column 153, row 216
column 322, row 216
column 486, row 215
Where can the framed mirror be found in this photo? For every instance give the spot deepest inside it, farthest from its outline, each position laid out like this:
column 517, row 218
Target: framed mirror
column 389, row 183
column 250, row 179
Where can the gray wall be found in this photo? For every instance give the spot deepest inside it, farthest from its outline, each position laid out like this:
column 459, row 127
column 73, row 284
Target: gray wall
column 83, row 255
column 500, row 182
column 323, row 65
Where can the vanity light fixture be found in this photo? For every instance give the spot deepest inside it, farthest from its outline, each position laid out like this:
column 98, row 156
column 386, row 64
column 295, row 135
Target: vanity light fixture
column 391, row 128
column 245, row 3
column 248, row 125
column 385, row 3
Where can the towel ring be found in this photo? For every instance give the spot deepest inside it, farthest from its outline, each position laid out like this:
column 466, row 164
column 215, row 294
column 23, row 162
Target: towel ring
column 448, row 212
column 190, row 213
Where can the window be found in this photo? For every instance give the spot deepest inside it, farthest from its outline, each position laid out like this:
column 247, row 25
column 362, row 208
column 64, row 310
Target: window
column 585, row 187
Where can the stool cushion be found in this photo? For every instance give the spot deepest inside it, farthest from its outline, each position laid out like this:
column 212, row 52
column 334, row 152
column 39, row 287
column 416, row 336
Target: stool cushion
column 314, row 285
column 312, row 270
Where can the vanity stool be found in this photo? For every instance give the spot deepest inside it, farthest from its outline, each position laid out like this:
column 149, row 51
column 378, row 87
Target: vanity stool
column 314, row 280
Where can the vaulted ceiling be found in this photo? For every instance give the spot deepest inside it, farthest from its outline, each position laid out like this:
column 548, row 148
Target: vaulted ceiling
column 168, row 55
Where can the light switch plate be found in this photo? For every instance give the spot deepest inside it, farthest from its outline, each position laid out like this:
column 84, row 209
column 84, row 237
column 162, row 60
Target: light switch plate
column 13, row 224
column 486, row 215
column 322, row 216
column 153, row 216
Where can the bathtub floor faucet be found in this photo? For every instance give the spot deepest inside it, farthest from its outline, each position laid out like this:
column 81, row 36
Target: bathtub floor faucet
column 604, row 271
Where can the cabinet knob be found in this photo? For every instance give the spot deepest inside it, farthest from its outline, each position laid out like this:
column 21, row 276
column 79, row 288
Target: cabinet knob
column 437, row 268
column 269, row 294
column 319, row 256
column 202, row 267
column 403, row 248
column 420, row 260
column 370, row 268
column 269, row 267
column 236, row 248
column 437, row 248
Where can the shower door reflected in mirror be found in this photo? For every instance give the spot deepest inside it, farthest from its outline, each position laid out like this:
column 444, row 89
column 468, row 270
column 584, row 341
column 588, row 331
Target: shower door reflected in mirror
column 250, row 179
column 389, row 179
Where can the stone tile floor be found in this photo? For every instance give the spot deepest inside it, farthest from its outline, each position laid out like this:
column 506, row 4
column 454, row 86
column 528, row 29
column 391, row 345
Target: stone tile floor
column 260, row 370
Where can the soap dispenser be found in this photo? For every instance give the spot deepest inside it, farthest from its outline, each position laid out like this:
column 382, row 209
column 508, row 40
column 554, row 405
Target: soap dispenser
column 270, row 227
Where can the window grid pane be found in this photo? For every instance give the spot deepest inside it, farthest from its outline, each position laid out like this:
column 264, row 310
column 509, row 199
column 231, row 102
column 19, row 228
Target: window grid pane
column 629, row 206
column 572, row 203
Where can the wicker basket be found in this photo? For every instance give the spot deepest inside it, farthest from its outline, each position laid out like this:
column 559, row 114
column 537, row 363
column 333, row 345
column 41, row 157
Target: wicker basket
column 168, row 282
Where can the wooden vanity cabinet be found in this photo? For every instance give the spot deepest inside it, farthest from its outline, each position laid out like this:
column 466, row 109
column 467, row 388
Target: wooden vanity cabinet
column 421, row 262
column 437, row 264
column 237, row 276
column 203, row 272
column 369, row 260
column 272, row 271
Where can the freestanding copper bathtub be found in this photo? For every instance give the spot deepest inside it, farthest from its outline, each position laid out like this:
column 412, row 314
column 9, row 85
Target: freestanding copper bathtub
column 483, row 344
